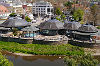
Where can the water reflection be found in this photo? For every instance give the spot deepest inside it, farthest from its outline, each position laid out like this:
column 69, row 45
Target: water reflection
column 37, row 60
column 34, row 60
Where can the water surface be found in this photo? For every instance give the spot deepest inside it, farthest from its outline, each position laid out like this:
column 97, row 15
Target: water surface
column 34, row 60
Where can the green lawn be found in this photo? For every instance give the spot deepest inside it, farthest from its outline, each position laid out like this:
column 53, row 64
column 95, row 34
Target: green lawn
column 98, row 27
column 38, row 49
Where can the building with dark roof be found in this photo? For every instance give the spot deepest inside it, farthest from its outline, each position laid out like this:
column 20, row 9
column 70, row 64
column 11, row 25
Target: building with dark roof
column 51, row 27
column 72, row 26
column 14, row 23
column 87, row 29
column 85, row 33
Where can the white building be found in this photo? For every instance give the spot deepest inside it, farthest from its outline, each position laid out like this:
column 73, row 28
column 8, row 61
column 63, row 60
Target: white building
column 42, row 8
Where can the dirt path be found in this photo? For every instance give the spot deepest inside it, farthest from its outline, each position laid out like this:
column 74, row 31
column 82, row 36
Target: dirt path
column 95, row 51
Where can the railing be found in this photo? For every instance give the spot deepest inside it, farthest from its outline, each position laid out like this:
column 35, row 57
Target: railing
column 40, row 37
column 52, row 38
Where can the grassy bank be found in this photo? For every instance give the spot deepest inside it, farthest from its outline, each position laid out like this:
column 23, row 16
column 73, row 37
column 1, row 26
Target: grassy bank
column 83, row 60
column 37, row 49
column 98, row 27
column 4, row 61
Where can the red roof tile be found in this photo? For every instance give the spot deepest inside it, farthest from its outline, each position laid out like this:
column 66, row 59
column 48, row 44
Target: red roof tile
column 3, row 9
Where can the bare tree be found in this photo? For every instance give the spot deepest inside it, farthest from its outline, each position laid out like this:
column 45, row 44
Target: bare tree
column 94, row 13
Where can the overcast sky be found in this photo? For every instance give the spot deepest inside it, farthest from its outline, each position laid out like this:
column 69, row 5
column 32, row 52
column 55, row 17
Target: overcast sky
column 1, row 0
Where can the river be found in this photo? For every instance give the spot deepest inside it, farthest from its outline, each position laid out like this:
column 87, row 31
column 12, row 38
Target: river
column 34, row 60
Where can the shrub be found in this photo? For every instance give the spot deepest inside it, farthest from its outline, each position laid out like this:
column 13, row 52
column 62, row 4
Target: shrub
column 4, row 61
column 98, row 27
column 13, row 15
column 64, row 49
column 78, row 14
column 28, row 19
column 15, row 31
column 58, row 11
column 80, row 60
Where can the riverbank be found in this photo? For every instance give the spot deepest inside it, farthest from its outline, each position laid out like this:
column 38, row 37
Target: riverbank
column 94, row 51
column 50, row 50
column 35, row 50
column 24, row 54
column 4, row 61
column 35, row 60
column 31, row 60
column 38, row 49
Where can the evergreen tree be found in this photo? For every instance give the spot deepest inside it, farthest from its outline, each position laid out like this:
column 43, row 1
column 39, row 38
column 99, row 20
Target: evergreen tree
column 58, row 11
column 28, row 19
column 78, row 15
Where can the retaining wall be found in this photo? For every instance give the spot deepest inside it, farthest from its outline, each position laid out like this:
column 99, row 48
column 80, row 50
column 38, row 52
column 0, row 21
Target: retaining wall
column 30, row 41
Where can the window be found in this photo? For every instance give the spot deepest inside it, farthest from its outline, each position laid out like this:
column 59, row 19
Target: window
column 5, row 11
column 36, row 8
column 48, row 10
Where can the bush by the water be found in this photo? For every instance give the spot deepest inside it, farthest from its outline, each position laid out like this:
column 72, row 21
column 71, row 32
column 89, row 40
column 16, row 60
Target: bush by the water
column 98, row 27
column 80, row 60
column 38, row 49
column 4, row 61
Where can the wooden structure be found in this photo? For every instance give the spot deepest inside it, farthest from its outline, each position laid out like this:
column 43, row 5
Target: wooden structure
column 85, row 33
column 51, row 27
column 31, row 31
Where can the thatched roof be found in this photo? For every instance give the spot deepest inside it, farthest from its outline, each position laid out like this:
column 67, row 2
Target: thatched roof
column 31, row 28
column 66, row 21
column 72, row 25
column 51, row 25
column 3, row 28
column 14, row 23
column 88, row 29
column 81, row 33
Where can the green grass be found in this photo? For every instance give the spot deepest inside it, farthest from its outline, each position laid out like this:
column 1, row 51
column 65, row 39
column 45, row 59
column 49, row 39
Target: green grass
column 83, row 60
column 98, row 27
column 38, row 49
column 4, row 61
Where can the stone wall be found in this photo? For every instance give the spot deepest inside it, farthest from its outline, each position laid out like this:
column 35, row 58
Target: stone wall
column 49, row 42
column 18, row 40
column 30, row 41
